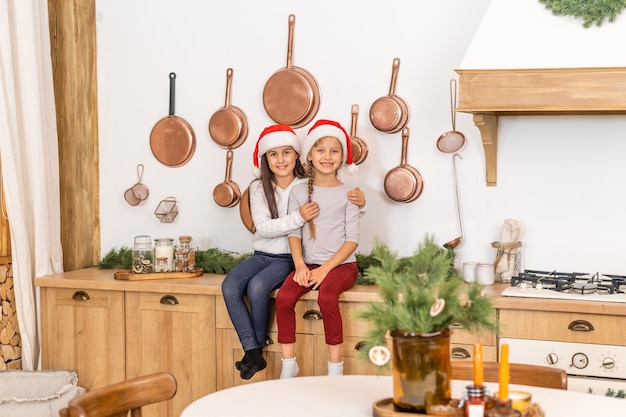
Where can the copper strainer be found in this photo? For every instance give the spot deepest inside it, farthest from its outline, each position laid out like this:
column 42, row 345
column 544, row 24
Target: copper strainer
column 138, row 192
column 451, row 141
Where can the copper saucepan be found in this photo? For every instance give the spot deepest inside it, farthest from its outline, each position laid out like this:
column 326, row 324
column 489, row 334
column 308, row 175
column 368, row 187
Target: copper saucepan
column 172, row 140
column 228, row 126
column 358, row 145
column 404, row 183
column 291, row 96
column 390, row 114
column 227, row 193
column 453, row 140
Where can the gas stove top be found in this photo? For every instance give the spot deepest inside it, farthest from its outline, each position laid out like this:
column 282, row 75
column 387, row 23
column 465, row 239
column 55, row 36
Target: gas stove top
column 568, row 285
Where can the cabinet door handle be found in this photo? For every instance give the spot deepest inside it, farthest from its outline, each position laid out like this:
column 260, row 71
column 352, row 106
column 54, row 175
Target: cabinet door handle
column 169, row 299
column 580, row 326
column 312, row 315
column 359, row 345
column 80, row 296
column 459, row 353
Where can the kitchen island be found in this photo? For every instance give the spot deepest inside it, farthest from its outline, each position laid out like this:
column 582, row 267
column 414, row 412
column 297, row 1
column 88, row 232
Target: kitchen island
column 110, row 330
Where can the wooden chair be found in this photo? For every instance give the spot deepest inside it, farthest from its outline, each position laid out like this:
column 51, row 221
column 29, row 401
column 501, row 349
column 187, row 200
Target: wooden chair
column 118, row 399
column 521, row 374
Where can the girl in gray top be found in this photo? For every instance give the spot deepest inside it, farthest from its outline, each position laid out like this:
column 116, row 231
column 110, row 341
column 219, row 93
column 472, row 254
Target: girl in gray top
column 323, row 250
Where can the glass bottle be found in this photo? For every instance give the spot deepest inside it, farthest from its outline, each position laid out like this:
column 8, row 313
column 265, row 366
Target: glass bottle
column 161, row 264
column 142, row 255
column 475, row 404
column 164, row 248
column 185, row 246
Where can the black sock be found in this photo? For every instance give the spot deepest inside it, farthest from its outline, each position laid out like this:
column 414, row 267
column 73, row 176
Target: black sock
column 254, row 362
column 241, row 362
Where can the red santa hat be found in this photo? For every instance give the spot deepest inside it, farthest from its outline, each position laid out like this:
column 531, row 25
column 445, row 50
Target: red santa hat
column 273, row 137
column 323, row 128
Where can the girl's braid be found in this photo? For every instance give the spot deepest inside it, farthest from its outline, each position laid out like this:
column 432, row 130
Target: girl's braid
column 311, row 175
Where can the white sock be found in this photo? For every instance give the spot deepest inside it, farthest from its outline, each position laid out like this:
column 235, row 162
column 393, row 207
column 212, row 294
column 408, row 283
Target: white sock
column 290, row 368
column 335, row 368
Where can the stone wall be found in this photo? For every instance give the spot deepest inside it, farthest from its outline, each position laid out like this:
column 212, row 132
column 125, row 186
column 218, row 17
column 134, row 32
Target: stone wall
column 10, row 340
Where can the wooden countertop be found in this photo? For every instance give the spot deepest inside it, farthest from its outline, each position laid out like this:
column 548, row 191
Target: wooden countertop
column 210, row 284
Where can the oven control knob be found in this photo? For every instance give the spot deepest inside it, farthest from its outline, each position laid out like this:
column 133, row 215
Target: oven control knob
column 580, row 360
column 552, row 358
column 608, row 363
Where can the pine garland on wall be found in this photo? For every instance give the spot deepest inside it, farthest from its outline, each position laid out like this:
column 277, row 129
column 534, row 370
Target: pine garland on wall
column 590, row 11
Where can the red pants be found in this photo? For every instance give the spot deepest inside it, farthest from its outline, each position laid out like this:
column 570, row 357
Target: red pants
column 340, row 279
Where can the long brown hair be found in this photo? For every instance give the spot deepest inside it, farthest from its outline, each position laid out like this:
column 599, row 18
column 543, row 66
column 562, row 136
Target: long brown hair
column 268, row 182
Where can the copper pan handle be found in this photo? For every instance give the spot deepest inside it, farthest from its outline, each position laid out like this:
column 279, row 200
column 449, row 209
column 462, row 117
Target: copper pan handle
column 394, row 74
column 355, row 115
column 229, row 81
column 292, row 24
column 405, row 144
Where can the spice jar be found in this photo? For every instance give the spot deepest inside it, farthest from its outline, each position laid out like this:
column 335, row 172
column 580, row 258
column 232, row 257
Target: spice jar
column 475, row 403
column 181, row 261
column 164, row 248
column 185, row 246
column 161, row 264
column 142, row 255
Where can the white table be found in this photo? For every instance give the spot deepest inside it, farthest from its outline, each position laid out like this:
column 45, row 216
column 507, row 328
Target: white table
column 354, row 396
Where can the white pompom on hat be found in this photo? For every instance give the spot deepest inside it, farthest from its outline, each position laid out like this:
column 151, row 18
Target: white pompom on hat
column 273, row 137
column 323, row 128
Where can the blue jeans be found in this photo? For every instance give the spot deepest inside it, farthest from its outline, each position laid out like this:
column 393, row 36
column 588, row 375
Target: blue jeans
column 255, row 277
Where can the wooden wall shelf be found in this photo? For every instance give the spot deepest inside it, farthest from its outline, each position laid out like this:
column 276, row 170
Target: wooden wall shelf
column 488, row 94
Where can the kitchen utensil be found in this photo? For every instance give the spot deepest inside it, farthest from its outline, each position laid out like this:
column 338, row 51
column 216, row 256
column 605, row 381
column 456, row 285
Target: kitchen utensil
column 359, row 147
column 452, row 140
column 228, row 126
column 138, row 192
column 404, row 183
column 167, row 210
column 291, row 96
column 227, row 193
column 390, row 114
column 245, row 212
column 457, row 241
column 172, row 139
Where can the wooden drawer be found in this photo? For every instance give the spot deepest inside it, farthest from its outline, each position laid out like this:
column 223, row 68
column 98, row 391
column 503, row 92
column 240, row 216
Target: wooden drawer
column 564, row 327
column 465, row 352
column 460, row 335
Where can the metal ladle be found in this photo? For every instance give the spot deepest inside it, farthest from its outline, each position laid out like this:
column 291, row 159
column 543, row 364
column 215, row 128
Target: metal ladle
column 456, row 242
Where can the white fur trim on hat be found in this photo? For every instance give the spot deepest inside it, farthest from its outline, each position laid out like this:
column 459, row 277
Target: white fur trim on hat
column 273, row 137
column 323, row 128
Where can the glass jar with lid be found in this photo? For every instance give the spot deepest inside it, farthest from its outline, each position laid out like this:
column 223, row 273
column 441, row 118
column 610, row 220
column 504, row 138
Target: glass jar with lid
column 142, row 255
column 186, row 246
column 164, row 248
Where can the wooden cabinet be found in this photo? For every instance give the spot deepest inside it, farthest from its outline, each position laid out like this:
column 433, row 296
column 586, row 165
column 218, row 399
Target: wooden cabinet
column 83, row 329
column 311, row 348
column 173, row 332
column 109, row 331
column 462, row 345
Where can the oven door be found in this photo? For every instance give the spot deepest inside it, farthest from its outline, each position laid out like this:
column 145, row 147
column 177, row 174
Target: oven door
column 597, row 386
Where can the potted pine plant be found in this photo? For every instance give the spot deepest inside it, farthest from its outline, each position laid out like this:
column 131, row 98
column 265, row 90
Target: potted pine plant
column 422, row 297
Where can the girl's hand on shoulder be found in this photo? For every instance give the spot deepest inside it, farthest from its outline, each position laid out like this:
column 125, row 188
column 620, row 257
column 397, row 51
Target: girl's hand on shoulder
column 356, row 196
column 309, row 211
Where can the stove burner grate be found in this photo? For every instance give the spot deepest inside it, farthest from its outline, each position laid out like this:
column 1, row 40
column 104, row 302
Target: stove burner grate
column 572, row 282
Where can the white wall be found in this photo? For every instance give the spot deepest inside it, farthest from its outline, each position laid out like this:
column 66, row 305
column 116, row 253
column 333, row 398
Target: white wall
column 561, row 176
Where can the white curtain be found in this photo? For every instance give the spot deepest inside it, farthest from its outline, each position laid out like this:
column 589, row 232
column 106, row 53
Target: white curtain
column 30, row 163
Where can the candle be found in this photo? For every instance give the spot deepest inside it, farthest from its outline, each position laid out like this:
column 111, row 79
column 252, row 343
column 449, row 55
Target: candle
column 503, row 392
column 478, row 364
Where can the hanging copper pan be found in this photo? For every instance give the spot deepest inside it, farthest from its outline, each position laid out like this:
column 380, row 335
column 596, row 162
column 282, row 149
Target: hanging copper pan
column 359, row 147
column 404, row 183
column 390, row 114
column 245, row 212
column 227, row 193
column 228, row 126
column 291, row 96
column 172, row 139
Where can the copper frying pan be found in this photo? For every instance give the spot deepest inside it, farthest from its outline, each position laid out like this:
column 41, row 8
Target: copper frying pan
column 228, row 126
column 172, row 139
column 227, row 193
column 390, row 114
column 245, row 212
column 359, row 147
column 404, row 183
column 291, row 95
